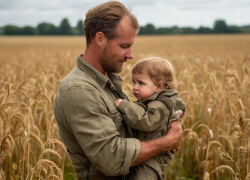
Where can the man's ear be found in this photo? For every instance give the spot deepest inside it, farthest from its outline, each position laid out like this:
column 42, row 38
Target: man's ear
column 100, row 39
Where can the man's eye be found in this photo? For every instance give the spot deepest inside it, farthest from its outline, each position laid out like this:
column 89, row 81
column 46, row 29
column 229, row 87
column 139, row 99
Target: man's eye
column 124, row 46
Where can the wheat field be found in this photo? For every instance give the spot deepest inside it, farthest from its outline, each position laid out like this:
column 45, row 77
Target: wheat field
column 213, row 74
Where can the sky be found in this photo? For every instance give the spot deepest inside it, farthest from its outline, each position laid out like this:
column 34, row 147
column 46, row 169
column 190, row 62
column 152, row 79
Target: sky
column 160, row 13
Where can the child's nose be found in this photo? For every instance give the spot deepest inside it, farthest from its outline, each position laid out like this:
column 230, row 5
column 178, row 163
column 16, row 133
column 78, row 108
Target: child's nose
column 135, row 87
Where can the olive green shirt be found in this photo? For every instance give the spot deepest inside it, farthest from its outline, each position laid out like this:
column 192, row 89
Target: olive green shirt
column 90, row 126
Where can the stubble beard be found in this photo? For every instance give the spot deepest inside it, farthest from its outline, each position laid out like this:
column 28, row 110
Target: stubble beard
column 110, row 62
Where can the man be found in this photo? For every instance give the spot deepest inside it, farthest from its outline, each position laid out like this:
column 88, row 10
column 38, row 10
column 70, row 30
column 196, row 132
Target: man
column 98, row 141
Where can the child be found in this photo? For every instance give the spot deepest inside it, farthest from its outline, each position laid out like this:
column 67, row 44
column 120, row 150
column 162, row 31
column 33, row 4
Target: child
column 152, row 114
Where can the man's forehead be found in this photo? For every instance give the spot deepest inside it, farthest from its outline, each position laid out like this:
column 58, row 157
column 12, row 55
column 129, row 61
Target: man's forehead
column 125, row 28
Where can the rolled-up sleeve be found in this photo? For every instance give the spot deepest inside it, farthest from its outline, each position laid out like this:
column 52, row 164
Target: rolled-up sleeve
column 96, row 132
column 144, row 120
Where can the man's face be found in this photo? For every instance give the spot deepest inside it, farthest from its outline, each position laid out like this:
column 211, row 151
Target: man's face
column 119, row 49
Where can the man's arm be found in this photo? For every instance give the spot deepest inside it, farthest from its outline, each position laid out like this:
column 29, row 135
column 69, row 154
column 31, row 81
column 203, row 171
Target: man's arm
column 152, row 148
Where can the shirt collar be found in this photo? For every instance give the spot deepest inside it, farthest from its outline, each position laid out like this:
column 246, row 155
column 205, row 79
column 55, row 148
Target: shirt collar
column 98, row 77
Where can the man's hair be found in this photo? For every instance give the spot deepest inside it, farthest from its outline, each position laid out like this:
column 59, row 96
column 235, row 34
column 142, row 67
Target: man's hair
column 105, row 18
column 159, row 71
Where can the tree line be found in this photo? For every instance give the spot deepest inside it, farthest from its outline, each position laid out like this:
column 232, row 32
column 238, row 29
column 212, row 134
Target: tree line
column 220, row 26
column 64, row 28
column 45, row 28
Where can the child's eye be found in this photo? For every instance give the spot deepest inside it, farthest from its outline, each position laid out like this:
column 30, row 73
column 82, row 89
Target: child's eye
column 133, row 82
column 141, row 83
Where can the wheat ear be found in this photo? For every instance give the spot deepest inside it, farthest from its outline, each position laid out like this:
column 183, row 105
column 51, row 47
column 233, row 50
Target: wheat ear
column 206, row 176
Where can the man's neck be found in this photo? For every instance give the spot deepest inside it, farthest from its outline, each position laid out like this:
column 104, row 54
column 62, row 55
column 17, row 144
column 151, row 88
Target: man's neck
column 91, row 55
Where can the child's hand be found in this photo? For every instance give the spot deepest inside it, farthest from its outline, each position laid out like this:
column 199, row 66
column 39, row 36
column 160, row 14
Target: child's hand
column 117, row 102
column 178, row 114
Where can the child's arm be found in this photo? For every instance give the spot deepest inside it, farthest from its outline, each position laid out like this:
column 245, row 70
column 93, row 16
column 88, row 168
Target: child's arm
column 146, row 120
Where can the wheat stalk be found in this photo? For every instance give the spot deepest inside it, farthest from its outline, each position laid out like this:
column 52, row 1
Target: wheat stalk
column 226, row 158
column 206, row 176
column 207, row 128
column 222, row 167
column 36, row 138
column 248, row 177
column 192, row 135
column 7, row 144
column 50, row 164
column 49, row 151
column 8, row 104
column 17, row 116
column 229, row 142
column 55, row 141
column 53, row 177
column 195, row 124
column 21, row 84
column 209, row 145
column 234, row 74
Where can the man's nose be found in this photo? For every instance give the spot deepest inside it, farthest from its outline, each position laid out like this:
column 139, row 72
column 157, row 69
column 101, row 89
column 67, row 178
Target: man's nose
column 129, row 54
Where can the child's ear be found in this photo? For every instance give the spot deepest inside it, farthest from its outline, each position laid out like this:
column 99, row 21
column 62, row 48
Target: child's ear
column 160, row 86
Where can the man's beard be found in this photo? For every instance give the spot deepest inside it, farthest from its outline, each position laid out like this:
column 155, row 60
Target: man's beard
column 110, row 62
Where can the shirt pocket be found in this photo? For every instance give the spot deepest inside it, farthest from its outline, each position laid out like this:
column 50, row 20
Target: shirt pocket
column 116, row 115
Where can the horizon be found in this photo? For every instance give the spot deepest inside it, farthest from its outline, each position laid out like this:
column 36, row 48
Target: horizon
column 72, row 26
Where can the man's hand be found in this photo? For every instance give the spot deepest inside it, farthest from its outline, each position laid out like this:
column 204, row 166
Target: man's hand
column 152, row 148
column 179, row 114
column 174, row 135
column 117, row 102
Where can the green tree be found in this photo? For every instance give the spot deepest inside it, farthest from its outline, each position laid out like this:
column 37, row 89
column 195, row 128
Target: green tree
column 79, row 27
column 28, row 30
column 187, row 30
column 12, row 30
column 220, row 26
column 245, row 29
column 41, row 28
column 47, row 29
column 163, row 30
column 203, row 30
column 175, row 30
column 235, row 29
column 1, row 30
column 150, row 29
column 142, row 30
column 65, row 28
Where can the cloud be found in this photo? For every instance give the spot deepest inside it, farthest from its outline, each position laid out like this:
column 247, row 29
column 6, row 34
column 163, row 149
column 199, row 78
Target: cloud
column 159, row 12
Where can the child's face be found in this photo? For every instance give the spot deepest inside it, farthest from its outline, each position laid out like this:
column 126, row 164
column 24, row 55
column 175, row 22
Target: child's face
column 143, row 86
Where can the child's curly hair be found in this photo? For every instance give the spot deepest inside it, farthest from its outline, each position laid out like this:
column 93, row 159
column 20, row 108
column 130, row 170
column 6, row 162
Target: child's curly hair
column 159, row 70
